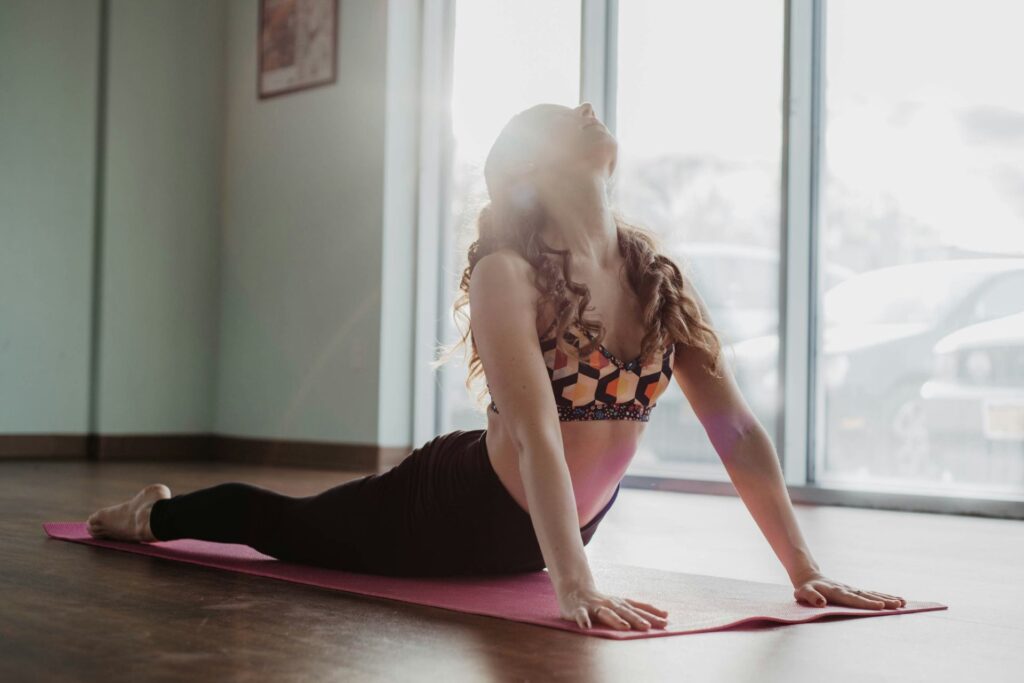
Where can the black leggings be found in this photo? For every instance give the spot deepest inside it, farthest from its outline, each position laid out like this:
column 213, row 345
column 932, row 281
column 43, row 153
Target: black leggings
column 442, row 511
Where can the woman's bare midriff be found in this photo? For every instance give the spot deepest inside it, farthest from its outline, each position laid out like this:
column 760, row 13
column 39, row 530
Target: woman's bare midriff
column 596, row 451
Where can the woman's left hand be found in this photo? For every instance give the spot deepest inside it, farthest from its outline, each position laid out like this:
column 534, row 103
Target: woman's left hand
column 819, row 591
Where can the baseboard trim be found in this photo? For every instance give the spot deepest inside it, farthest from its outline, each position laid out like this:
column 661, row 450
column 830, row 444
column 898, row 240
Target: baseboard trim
column 164, row 447
column 293, row 453
column 17, row 446
column 154, row 447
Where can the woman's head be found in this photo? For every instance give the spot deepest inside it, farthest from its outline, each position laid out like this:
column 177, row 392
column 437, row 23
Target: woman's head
column 546, row 141
column 542, row 154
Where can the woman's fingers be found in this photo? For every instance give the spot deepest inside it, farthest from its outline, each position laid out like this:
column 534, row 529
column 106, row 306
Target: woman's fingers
column 632, row 616
column 647, row 608
column 851, row 599
column 890, row 601
column 609, row 617
column 656, row 621
column 885, row 604
column 901, row 602
column 807, row 594
column 618, row 613
column 823, row 593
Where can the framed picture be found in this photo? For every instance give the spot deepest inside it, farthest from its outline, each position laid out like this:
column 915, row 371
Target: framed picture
column 298, row 45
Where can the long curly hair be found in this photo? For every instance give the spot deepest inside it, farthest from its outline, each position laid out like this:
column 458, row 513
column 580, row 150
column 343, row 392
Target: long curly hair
column 513, row 219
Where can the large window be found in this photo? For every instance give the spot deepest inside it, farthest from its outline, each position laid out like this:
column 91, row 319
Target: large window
column 508, row 56
column 844, row 182
column 921, row 370
column 699, row 123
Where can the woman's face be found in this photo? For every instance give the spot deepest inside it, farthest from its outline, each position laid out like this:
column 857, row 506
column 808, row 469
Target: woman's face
column 551, row 137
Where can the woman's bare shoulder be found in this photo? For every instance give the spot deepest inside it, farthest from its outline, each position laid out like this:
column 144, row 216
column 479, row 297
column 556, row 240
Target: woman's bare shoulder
column 503, row 281
column 502, row 273
column 505, row 262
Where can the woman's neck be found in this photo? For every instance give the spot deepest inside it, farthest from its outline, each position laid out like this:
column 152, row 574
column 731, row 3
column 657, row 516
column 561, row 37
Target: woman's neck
column 580, row 219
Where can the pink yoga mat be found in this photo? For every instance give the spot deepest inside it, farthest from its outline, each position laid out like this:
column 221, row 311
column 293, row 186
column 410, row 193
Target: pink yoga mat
column 696, row 604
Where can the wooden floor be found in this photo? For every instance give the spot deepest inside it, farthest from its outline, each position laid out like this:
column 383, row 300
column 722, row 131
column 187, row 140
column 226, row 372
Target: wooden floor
column 69, row 612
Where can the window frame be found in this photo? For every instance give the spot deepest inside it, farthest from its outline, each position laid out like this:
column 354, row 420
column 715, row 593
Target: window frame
column 799, row 438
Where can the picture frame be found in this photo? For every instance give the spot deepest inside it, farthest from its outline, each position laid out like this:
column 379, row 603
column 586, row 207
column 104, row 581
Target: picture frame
column 297, row 46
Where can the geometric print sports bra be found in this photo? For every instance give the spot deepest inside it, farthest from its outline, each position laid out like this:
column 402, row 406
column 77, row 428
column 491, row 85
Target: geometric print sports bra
column 599, row 386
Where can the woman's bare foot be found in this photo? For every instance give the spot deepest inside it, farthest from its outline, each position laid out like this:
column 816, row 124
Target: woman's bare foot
column 128, row 521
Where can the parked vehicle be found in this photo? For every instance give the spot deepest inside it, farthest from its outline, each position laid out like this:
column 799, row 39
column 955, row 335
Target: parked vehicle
column 879, row 333
column 974, row 406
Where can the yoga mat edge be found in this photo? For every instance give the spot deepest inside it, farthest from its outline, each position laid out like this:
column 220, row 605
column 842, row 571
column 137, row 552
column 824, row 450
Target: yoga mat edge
column 532, row 597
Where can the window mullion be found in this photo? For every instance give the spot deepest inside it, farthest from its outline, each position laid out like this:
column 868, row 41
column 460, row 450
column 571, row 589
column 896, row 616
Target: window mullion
column 598, row 57
column 798, row 324
column 432, row 244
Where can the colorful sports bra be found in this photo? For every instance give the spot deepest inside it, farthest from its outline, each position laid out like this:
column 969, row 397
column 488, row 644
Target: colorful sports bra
column 599, row 386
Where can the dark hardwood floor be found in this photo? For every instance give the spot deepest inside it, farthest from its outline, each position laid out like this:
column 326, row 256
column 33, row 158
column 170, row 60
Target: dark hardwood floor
column 71, row 612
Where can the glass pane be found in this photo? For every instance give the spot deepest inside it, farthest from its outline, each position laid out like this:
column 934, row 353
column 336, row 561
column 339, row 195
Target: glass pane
column 700, row 136
column 922, row 366
column 505, row 60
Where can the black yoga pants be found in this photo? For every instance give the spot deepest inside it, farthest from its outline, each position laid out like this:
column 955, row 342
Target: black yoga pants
column 442, row 511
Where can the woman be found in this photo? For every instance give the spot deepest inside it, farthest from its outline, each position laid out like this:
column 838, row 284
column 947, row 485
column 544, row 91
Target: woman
column 580, row 323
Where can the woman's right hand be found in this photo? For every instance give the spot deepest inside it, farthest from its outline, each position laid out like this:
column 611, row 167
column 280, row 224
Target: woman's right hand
column 587, row 606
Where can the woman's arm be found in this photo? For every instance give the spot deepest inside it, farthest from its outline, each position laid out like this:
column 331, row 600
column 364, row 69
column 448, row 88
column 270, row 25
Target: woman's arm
column 503, row 317
column 753, row 466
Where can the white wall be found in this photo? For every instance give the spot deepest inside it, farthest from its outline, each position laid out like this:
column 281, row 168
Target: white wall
column 162, row 186
column 257, row 256
column 301, row 242
column 48, row 89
